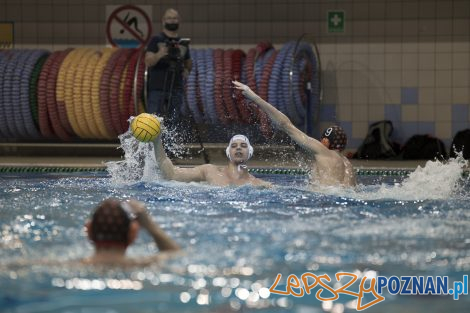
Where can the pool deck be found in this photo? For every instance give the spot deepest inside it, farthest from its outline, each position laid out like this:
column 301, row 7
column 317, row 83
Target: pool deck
column 95, row 155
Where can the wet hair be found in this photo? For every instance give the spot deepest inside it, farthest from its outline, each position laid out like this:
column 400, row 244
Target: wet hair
column 110, row 222
column 336, row 136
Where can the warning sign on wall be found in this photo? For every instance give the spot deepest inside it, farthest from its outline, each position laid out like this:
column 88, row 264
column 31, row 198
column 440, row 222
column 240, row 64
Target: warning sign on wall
column 6, row 35
column 128, row 26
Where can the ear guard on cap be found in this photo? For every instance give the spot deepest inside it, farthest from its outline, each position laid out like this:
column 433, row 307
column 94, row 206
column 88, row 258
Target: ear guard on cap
column 245, row 139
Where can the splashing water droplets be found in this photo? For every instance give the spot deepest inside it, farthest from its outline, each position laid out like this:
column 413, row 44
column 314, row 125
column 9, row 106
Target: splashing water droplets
column 139, row 162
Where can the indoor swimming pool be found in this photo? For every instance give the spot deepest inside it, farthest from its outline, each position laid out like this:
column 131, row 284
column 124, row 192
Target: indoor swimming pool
column 236, row 241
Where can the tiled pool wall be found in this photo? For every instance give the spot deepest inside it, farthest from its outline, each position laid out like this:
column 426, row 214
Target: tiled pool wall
column 406, row 61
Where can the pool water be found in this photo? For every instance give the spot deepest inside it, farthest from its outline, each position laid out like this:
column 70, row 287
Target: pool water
column 236, row 241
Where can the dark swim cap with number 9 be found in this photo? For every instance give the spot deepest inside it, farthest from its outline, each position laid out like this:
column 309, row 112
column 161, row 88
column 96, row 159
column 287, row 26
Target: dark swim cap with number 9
column 336, row 136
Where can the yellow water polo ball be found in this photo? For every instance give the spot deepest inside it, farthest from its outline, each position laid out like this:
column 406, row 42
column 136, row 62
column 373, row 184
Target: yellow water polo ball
column 145, row 127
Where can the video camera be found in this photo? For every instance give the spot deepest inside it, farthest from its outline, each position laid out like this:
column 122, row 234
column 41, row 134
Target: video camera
column 173, row 45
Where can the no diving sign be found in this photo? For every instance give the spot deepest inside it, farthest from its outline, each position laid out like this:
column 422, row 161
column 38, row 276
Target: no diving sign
column 128, row 26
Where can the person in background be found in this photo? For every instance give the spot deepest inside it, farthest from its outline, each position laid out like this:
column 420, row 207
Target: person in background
column 114, row 226
column 330, row 166
column 169, row 62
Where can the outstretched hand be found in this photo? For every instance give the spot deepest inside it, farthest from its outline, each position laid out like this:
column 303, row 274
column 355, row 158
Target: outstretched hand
column 246, row 91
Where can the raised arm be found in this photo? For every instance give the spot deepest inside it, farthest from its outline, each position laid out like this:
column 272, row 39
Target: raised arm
column 172, row 172
column 161, row 239
column 282, row 121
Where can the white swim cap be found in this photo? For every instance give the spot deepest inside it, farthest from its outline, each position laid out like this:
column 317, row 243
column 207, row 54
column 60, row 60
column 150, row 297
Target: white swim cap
column 239, row 137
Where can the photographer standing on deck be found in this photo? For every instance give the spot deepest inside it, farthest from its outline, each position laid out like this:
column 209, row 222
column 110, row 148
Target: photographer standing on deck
column 169, row 63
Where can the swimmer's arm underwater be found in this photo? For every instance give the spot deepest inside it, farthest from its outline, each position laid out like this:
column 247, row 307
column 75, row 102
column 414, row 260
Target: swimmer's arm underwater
column 172, row 172
column 282, row 121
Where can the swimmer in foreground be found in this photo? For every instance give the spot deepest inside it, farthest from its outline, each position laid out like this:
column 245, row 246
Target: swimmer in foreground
column 330, row 166
column 238, row 151
column 115, row 225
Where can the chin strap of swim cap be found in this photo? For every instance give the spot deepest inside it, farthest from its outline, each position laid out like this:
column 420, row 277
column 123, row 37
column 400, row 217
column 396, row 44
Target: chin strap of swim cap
column 245, row 139
column 241, row 167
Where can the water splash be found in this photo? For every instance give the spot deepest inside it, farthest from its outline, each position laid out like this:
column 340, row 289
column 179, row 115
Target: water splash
column 139, row 162
column 436, row 180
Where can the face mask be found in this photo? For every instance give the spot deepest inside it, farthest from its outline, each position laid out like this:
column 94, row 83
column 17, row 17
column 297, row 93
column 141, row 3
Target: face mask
column 171, row 26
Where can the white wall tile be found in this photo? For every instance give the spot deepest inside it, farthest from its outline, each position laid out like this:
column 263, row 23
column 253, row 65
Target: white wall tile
column 344, row 112
column 376, row 112
column 409, row 113
column 460, row 61
column 444, row 27
column 393, row 78
column 410, row 47
column 393, row 45
column 361, row 48
column 427, row 61
column 393, row 61
column 443, row 44
column 426, row 113
column 444, row 78
column 359, row 129
column 377, row 79
column 345, row 96
column 426, row 96
column 60, row 30
column 360, row 97
column 427, row 46
column 409, row 61
column 360, row 62
column 460, row 95
column 460, row 78
column 45, row 31
column 344, row 79
column 393, row 28
column 344, row 62
column 376, row 28
column 360, row 79
column 409, row 78
column 330, row 94
column 460, row 44
column 377, row 61
column 443, row 96
column 344, row 48
column 326, row 49
column 443, row 10
column 443, row 130
column 360, row 113
column 460, row 27
column 360, row 28
column 377, row 47
column 410, row 28
column 392, row 95
column 377, row 96
column 426, row 78
column 443, row 113
column 443, row 61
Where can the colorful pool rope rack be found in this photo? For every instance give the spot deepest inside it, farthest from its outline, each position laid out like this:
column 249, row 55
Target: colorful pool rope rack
column 85, row 93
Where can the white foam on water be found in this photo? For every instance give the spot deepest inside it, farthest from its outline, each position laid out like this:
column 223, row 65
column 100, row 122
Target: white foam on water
column 436, row 180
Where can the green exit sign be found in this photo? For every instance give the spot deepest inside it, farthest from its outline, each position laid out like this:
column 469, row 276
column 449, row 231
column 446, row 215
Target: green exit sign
column 335, row 21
